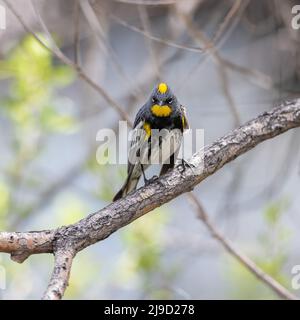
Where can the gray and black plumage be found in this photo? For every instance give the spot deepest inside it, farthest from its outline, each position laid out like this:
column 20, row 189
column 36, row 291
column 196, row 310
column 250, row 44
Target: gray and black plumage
column 164, row 113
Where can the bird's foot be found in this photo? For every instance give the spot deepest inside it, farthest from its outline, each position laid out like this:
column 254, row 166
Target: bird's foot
column 148, row 181
column 185, row 164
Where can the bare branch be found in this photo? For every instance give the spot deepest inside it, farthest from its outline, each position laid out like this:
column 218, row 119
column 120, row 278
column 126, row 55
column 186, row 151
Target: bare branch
column 201, row 38
column 60, row 275
column 105, row 46
column 232, row 12
column 76, row 33
column 276, row 287
column 230, row 25
column 154, row 38
column 23, row 244
column 147, row 28
column 255, row 76
column 59, row 54
column 98, row 226
column 148, row 2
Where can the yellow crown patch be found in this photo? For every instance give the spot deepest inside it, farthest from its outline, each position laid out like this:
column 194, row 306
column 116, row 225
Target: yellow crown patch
column 162, row 87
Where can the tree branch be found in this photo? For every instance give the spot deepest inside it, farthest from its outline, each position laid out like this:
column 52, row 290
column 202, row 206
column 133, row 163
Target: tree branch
column 101, row 224
column 201, row 38
column 63, row 58
column 275, row 286
column 76, row 33
column 23, row 244
column 60, row 275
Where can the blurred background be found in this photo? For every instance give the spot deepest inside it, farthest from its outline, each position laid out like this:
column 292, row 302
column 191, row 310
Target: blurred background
column 227, row 61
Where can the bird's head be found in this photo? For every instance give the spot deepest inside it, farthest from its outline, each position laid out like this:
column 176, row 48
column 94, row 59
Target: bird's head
column 163, row 101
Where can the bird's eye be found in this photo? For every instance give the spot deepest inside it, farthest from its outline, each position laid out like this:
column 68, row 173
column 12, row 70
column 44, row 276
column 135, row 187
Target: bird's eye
column 154, row 100
column 169, row 101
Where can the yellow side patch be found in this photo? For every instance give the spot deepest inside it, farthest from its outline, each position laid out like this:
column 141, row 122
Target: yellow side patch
column 147, row 129
column 162, row 88
column 183, row 121
column 161, row 111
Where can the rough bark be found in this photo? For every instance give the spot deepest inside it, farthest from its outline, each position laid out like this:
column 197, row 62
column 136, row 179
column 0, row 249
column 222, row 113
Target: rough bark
column 66, row 241
column 60, row 275
column 22, row 244
column 100, row 225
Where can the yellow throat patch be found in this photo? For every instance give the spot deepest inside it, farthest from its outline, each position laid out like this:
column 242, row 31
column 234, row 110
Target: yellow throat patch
column 161, row 111
column 162, row 88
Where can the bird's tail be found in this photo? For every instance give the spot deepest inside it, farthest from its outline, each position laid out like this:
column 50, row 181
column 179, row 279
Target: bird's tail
column 129, row 185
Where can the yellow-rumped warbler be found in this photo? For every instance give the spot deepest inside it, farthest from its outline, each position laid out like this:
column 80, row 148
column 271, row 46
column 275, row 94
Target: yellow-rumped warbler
column 157, row 136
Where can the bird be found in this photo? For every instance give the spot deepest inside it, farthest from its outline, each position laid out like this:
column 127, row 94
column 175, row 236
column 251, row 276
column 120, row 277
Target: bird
column 156, row 137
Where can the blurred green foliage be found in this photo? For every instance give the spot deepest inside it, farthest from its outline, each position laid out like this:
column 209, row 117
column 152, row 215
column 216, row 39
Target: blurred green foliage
column 106, row 174
column 33, row 109
column 70, row 209
column 4, row 202
column 32, row 104
column 272, row 257
column 141, row 262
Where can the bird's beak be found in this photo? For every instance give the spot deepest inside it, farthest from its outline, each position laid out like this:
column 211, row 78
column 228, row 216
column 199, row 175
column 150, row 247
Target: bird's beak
column 160, row 103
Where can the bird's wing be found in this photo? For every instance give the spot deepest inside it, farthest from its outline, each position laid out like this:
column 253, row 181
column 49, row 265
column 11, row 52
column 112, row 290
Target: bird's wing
column 138, row 142
column 139, row 116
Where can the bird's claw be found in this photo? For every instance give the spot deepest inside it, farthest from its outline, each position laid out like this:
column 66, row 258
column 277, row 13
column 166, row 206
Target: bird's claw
column 185, row 164
column 148, row 181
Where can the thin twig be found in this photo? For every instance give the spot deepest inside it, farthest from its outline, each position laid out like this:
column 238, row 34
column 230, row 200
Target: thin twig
column 58, row 53
column 105, row 46
column 255, row 76
column 154, row 38
column 148, row 2
column 234, row 20
column 200, row 37
column 76, row 33
column 231, row 14
column 276, row 287
column 99, row 225
column 147, row 28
